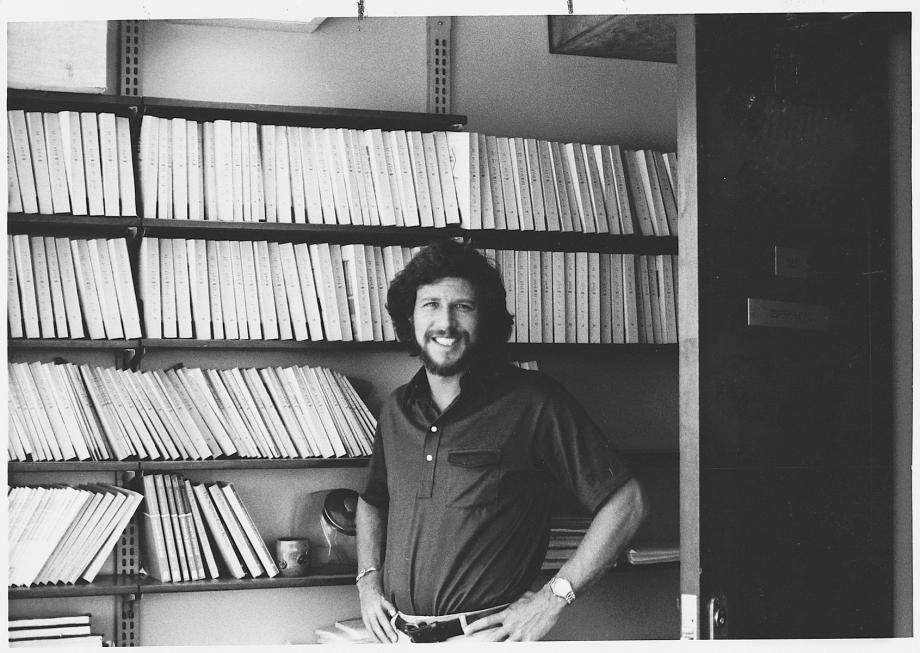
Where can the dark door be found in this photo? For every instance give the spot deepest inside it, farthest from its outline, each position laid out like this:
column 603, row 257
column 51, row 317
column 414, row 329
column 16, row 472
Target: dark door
column 795, row 439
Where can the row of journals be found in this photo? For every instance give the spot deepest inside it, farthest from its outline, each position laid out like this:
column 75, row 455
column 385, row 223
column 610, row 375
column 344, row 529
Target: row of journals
column 243, row 171
column 564, row 537
column 61, row 534
column 589, row 297
column 70, row 162
column 70, row 288
column 67, row 630
column 229, row 289
column 65, row 412
column 185, row 523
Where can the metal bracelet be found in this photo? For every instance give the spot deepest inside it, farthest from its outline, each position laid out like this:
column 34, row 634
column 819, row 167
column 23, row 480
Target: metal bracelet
column 364, row 572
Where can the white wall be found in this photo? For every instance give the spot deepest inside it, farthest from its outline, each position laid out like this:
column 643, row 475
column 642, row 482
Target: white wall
column 507, row 82
column 376, row 63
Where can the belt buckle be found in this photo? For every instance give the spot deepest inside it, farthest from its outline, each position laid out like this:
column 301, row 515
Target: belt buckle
column 423, row 633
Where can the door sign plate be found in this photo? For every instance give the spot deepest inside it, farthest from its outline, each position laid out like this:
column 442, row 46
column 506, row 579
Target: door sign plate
column 788, row 315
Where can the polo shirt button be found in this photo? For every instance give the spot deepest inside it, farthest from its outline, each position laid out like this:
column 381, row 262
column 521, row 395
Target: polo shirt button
column 434, row 429
column 428, row 458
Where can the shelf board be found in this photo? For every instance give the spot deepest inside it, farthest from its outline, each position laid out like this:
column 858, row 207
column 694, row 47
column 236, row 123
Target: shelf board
column 514, row 348
column 69, row 343
column 264, row 345
column 410, row 236
column 326, row 576
column 15, row 467
column 572, row 242
column 322, row 577
column 102, row 586
column 296, row 232
column 300, row 115
column 33, row 100
column 253, row 463
column 621, row 568
column 657, row 458
column 94, row 226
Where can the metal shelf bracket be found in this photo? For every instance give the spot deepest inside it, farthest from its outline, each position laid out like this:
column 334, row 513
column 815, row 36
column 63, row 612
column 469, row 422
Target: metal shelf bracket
column 127, row 563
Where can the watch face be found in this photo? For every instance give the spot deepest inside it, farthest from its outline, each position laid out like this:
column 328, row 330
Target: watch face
column 562, row 588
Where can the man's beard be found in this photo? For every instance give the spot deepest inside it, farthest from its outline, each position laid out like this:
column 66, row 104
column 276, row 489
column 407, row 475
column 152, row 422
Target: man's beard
column 454, row 367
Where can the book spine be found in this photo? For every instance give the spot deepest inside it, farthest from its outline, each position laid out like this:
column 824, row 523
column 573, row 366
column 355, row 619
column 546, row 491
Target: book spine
column 60, row 198
column 39, row 265
column 209, row 164
column 429, row 149
column 108, row 150
column 19, row 139
column 223, row 169
column 39, row 154
column 265, row 291
column 282, row 175
column 164, row 170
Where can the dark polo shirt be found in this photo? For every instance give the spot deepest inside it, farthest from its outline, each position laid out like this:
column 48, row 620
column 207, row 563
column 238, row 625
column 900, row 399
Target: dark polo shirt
column 469, row 491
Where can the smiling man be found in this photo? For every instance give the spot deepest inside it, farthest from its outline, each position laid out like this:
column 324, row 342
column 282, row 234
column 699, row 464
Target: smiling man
column 453, row 524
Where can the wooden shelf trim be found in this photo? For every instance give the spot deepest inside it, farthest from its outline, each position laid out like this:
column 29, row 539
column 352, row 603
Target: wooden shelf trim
column 297, row 115
column 515, row 348
column 102, row 586
column 644, row 458
column 205, row 110
column 65, row 224
column 140, row 585
column 33, row 100
column 156, row 466
column 379, row 235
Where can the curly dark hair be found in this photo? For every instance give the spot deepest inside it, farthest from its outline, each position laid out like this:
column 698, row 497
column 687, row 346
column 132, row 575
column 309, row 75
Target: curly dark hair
column 449, row 258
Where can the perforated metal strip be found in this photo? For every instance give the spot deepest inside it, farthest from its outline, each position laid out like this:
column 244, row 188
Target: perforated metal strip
column 127, row 563
column 439, row 64
column 131, row 48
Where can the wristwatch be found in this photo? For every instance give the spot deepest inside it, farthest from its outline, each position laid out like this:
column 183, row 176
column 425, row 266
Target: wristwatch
column 562, row 588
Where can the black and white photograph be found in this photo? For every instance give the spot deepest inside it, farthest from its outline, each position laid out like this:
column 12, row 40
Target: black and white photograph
column 518, row 323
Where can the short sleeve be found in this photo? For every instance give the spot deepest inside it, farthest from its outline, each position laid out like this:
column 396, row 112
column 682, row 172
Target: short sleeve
column 576, row 452
column 375, row 489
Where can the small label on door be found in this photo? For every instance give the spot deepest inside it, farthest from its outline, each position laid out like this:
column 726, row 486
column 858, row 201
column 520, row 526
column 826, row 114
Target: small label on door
column 689, row 609
column 787, row 315
column 788, row 262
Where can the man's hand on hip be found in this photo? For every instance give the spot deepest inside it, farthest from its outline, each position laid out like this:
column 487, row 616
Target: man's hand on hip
column 527, row 619
column 376, row 611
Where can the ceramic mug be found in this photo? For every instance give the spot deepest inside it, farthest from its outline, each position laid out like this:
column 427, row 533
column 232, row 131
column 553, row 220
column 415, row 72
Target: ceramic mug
column 292, row 555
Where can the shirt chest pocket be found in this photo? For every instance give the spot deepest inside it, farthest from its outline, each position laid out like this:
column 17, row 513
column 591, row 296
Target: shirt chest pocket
column 474, row 477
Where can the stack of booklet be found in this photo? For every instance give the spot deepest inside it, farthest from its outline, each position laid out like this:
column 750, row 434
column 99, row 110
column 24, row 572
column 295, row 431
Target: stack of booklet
column 653, row 553
column 70, row 162
column 589, row 297
column 267, row 290
column 65, row 412
column 249, row 172
column 196, row 531
column 564, row 537
column 56, row 285
column 62, row 534
column 52, row 632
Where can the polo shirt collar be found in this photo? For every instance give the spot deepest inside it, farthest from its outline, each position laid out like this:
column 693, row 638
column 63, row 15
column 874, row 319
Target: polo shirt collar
column 481, row 378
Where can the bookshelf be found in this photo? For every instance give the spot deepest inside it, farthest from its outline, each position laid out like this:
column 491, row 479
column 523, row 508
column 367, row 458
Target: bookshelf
column 127, row 585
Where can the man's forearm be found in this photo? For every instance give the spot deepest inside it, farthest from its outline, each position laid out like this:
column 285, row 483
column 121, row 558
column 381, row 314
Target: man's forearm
column 611, row 529
column 370, row 523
